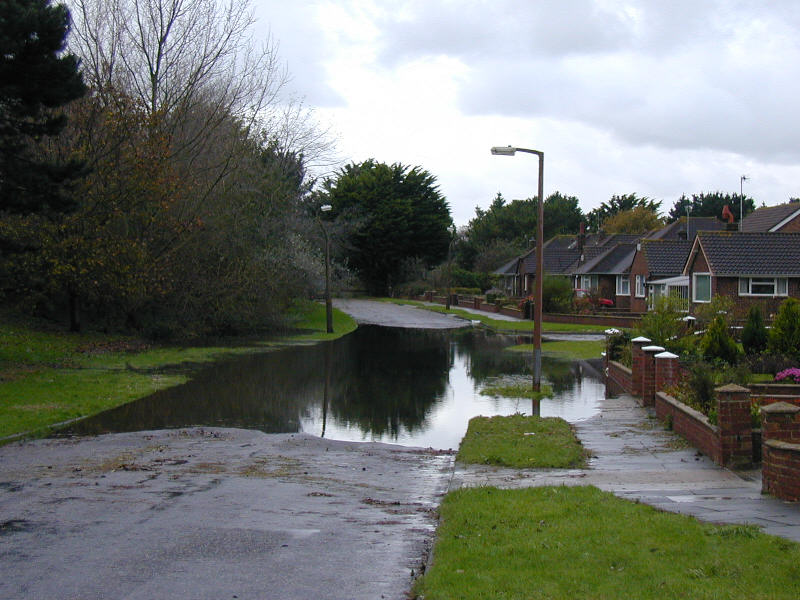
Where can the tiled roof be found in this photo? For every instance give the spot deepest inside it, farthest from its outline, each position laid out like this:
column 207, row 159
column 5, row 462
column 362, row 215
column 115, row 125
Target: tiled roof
column 613, row 261
column 673, row 230
column 766, row 217
column 733, row 253
column 510, row 268
column 665, row 258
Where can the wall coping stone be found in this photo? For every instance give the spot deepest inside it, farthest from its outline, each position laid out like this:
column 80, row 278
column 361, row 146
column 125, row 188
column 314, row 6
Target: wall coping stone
column 653, row 349
column 779, row 445
column 666, row 355
column 641, row 340
column 620, row 366
column 732, row 388
column 781, row 408
column 685, row 408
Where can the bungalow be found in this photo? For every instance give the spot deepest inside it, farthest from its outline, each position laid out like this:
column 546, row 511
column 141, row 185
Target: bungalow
column 749, row 267
column 609, row 274
column 783, row 218
column 657, row 270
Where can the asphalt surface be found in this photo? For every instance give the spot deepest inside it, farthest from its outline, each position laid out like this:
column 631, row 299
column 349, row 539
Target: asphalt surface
column 223, row 513
column 369, row 312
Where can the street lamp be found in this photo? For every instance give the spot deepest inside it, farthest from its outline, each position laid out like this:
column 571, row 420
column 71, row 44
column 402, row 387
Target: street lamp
column 537, row 296
column 328, row 305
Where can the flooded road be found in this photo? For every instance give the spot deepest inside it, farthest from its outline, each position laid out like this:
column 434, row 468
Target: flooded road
column 405, row 386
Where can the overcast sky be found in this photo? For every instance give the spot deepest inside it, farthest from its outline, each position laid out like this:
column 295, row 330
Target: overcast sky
column 654, row 97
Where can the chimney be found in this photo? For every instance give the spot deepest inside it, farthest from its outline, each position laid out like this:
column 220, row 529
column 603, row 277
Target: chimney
column 682, row 235
column 581, row 239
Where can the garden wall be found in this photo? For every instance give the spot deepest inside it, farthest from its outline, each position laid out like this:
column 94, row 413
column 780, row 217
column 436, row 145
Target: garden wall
column 780, row 424
column 619, row 378
column 690, row 424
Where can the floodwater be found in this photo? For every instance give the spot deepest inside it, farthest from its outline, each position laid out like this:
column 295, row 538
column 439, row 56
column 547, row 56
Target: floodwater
column 403, row 386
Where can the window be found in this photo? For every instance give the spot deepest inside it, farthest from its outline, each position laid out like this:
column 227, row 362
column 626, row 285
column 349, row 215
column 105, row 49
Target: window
column 763, row 286
column 623, row 285
column 701, row 287
column 589, row 282
column 640, row 286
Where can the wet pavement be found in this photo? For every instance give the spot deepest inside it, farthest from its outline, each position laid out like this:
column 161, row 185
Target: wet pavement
column 222, row 513
column 370, row 312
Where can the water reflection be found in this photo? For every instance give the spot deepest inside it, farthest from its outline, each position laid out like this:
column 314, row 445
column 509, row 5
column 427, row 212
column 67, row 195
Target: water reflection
column 414, row 387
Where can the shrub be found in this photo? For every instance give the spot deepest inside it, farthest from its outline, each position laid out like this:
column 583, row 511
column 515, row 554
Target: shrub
column 784, row 338
column 617, row 343
column 717, row 343
column 556, row 294
column 767, row 362
column 663, row 325
column 720, row 306
column 788, row 376
column 754, row 334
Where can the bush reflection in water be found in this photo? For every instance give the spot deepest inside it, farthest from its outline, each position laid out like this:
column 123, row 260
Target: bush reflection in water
column 416, row 387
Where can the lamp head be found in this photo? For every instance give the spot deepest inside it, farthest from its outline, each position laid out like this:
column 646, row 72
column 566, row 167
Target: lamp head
column 504, row 150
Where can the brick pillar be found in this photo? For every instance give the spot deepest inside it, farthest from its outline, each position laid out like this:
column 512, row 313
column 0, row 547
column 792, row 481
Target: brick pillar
column 666, row 370
column 649, row 374
column 780, row 450
column 637, row 364
column 735, row 425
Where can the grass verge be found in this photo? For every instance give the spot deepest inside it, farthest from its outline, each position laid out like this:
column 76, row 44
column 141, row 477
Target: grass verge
column 559, row 542
column 520, row 441
column 515, row 390
column 500, row 324
column 48, row 376
column 572, row 349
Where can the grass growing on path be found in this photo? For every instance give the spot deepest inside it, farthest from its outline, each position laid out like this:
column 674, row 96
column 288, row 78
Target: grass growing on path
column 499, row 324
column 48, row 376
column 521, row 441
column 565, row 543
column 515, row 390
column 572, row 349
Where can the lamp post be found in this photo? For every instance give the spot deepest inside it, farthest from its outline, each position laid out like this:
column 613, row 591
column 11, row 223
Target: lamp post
column 328, row 305
column 537, row 297
column 742, row 179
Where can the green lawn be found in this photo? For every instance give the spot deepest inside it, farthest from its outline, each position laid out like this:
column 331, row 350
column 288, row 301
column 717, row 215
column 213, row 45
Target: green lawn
column 521, row 441
column 567, row 543
column 571, row 349
column 48, row 376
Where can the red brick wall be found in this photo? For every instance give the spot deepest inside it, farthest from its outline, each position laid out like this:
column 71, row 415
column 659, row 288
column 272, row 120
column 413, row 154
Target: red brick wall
column 781, row 452
column 690, row 424
column 729, row 286
column 792, row 226
column 618, row 379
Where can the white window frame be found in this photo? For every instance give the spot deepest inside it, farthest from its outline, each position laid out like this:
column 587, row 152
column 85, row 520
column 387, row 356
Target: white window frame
column 640, row 293
column 694, row 288
column 623, row 285
column 590, row 279
column 780, row 286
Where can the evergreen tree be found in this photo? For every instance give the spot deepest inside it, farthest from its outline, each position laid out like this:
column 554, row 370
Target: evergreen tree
column 36, row 77
column 754, row 334
column 398, row 217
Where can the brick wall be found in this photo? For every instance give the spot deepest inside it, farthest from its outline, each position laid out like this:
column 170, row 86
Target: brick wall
column 690, row 424
column 638, row 267
column 619, row 378
column 780, row 425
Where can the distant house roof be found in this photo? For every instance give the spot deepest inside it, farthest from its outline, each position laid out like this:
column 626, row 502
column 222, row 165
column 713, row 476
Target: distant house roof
column 770, row 218
column 735, row 253
column 614, row 261
column 665, row 258
column 510, row 268
column 674, row 230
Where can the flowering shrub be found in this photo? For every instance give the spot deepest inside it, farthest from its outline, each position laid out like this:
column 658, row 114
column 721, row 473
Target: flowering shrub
column 789, row 375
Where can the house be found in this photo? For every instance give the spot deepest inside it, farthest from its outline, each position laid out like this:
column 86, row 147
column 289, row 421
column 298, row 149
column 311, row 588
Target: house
column 749, row 267
column 609, row 274
column 657, row 269
column 782, row 218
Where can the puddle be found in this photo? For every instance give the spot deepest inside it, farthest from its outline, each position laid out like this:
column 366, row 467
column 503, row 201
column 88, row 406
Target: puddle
column 411, row 387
